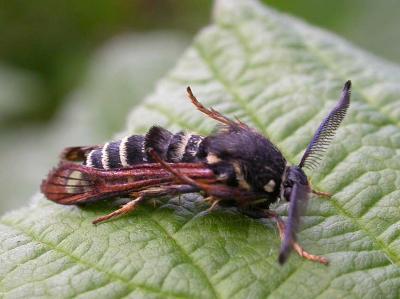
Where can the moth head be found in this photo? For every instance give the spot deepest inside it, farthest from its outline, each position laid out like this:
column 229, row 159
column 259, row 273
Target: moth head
column 295, row 187
column 293, row 175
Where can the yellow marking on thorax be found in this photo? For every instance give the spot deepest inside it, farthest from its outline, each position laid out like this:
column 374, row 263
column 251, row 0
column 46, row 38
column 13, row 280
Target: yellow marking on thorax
column 212, row 158
column 239, row 176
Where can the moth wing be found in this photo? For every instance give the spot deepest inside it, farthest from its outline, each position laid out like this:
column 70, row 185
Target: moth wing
column 297, row 206
column 71, row 183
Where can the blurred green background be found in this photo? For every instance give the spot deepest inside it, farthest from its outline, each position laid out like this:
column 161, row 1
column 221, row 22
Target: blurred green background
column 71, row 70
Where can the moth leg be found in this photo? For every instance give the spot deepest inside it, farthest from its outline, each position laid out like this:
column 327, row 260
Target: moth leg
column 213, row 202
column 319, row 193
column 140, row 196
column 126, row 208
column 281, row 229
column 209, row 199
column 211, row 112
column 154, row 202
column 297, row 247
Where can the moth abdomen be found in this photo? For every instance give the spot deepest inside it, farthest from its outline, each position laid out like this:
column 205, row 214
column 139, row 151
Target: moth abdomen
column 132, row 150
column 174, row 148
column 114, row 159
column 184, row 147
column 118, row 154
column 192, row 148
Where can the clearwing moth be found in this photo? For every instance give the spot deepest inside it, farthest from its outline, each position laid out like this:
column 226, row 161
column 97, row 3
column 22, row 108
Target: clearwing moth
column 235, row 166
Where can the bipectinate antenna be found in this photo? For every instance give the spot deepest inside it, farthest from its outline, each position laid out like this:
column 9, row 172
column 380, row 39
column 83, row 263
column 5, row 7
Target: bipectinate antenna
column 326, row 130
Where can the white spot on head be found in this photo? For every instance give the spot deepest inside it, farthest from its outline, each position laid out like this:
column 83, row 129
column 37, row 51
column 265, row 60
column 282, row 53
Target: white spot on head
column 122, row 152
column 270, row 186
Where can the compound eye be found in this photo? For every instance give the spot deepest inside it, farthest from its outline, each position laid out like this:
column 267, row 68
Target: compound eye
column 287, row 193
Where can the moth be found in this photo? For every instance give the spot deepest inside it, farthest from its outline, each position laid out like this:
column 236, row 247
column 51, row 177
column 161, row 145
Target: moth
column 235, row 166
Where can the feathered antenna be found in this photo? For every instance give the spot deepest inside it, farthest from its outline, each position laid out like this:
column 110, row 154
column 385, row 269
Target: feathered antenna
column 326, row 131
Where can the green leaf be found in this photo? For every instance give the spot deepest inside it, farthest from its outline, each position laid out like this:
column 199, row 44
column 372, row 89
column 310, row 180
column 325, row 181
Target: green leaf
column 280, row 76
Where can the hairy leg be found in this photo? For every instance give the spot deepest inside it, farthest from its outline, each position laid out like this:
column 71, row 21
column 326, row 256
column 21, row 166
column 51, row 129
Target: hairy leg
column 144, row 195
column 258, row 214
column 126, row 208
column 319, row 193
column 209, row 112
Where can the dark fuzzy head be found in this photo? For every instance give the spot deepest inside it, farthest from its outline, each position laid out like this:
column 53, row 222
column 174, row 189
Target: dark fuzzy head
column 256, row 163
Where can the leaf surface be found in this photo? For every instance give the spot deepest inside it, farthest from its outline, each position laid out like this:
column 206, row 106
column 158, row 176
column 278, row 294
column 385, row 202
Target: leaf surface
column 282, row 77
